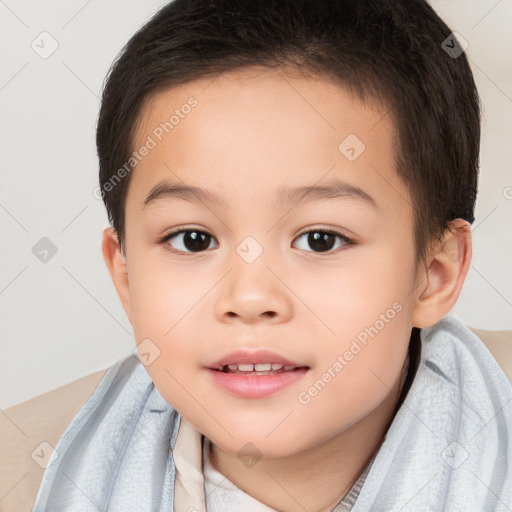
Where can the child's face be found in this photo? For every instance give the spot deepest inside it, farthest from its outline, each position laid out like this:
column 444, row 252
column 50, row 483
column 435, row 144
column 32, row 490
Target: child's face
column 345, row 314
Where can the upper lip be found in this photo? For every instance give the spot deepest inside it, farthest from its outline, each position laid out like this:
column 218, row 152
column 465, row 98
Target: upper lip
column 254, row 357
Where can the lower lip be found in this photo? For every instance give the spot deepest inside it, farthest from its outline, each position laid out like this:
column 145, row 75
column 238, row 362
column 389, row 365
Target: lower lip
column 256, row 386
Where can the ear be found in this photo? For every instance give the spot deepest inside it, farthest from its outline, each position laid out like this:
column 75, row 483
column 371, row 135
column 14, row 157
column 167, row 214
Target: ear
column 117, row 267
column 441, row 279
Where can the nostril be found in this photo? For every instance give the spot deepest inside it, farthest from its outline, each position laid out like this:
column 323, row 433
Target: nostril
column 269, row 314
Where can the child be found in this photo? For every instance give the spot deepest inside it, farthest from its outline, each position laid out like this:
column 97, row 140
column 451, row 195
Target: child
column 291, row 186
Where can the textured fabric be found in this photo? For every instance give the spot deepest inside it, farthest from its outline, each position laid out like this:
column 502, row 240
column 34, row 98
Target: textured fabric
column 115, row 455
column 449, row 447
column 348, row 501
column 189, row 484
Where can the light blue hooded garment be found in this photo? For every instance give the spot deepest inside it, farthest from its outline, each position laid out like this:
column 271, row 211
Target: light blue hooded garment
column 448, row 449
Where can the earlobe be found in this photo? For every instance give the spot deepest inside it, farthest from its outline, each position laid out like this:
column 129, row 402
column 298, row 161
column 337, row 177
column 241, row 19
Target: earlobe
column 117, row 267
column 441, row 281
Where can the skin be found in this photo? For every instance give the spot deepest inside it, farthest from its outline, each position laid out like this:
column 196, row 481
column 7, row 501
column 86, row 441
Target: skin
column 253, row 132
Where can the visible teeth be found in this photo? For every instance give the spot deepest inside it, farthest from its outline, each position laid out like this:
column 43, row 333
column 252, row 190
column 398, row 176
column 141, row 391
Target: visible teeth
column 259, row 367
column 262, row 367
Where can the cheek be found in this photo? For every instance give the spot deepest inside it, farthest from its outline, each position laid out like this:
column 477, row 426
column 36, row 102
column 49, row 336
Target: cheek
column 367, row 307
column 163, row 293
column 167, row 302
column 347, row 299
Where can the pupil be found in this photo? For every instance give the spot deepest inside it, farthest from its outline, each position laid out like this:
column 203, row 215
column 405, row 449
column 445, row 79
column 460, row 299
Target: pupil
column 196, row 241
column 320, row 241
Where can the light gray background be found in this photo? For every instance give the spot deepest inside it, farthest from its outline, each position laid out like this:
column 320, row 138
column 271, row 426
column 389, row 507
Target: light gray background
column 62, row 319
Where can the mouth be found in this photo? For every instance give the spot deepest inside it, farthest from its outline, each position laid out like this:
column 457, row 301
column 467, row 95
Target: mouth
column 255, row 361
column 259, row 368
column 255, row 374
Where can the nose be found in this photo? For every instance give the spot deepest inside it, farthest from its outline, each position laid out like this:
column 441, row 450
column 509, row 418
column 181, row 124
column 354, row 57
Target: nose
column 252, row 293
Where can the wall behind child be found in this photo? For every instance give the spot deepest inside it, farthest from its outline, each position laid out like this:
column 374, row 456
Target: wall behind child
column 61, row 318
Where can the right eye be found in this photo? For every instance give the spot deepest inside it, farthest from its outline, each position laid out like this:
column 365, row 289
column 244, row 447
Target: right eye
column 188, row 241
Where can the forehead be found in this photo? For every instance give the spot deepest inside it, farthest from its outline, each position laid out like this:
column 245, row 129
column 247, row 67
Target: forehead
column 259, row 130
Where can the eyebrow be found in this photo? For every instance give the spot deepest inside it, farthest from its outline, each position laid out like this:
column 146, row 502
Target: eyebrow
column 167, row 189
column 330, row 190
column 286, row 196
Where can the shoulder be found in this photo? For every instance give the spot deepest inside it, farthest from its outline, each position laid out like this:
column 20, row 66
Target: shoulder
column 29, row 431
column 499, row 344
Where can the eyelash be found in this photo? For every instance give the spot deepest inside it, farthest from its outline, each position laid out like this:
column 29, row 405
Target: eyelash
column 347, row 242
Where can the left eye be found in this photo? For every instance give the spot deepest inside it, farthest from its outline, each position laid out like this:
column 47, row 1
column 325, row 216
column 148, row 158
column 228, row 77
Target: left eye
column 322, row 241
